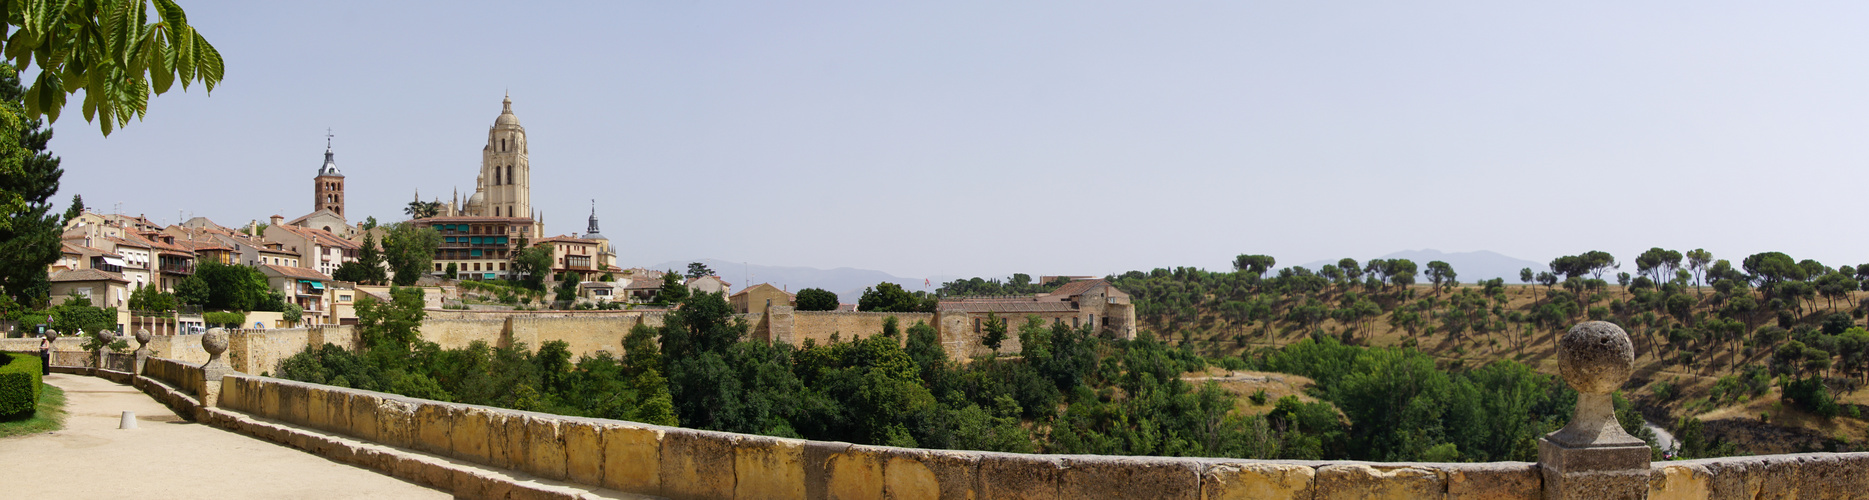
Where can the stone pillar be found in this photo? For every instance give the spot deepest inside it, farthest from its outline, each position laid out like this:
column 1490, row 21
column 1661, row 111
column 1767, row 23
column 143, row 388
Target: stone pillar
column 215, row 342
column 1593, row 457
column 102, row 355
column 142, row 350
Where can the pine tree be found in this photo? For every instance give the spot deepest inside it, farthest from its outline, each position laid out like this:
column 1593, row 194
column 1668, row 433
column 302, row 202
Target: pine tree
column 29, row 229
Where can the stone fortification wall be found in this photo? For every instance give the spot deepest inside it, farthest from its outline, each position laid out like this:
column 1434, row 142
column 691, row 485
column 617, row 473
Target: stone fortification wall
column 503, row 314
column 820, row 325
column 586, row 335
column 261, row 351
column 458, row 333
column 185, row 348
column 686, row 463
column 65, row 343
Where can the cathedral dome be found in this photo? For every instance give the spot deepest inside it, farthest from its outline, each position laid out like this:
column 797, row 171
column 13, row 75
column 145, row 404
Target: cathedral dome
column 506, row 119
column 473, row 202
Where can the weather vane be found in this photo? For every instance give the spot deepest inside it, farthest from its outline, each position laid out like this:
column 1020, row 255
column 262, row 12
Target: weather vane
column 327, row 137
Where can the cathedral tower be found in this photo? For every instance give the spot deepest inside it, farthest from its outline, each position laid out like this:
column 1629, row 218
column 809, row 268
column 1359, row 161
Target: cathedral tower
column 328, row 186
column 505, row 173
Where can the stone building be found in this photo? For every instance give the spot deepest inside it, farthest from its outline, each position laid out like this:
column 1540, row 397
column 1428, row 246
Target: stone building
column 304, row 287
column 758, row 298
column 1093, row 302
column 480, row 234
column 571, row 254
column 317, row 249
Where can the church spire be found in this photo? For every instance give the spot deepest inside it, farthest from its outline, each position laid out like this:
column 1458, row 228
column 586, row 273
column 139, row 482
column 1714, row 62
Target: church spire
column 593, row 228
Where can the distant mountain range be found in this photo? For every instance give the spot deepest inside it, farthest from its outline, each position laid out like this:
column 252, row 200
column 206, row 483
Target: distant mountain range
column 1469, row 267
column 847, row 283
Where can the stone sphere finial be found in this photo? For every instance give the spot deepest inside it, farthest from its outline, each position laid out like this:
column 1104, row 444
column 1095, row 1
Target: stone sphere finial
column 142, row 337
column 107, row 336
column 215, row 342
column 1595, row 357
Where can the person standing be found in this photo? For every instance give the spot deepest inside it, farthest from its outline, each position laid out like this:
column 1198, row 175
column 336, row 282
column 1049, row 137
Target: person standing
column 45, row 354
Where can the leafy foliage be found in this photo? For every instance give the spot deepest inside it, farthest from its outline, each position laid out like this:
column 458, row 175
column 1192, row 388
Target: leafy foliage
column 816, row 299
column 108, row 50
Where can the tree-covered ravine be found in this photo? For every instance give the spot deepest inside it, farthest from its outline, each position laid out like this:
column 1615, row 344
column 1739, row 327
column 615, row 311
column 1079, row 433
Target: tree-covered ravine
column 1382, row 368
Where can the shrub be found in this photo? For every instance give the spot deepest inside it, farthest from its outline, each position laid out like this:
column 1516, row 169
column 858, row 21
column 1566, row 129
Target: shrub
column 19, row 384
column 238, row 319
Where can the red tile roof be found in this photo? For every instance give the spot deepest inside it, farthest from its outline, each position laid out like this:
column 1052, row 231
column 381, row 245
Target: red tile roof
column 295, row 272
column 86, row 275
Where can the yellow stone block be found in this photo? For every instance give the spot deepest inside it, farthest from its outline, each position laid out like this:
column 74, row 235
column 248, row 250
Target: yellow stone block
column 396, row 422
column 469, row 440
column 1250, row 481
column 854, row 474
column 633, row 459
column 269, row 398
column 1357, row 481
column 584, row 452
column 434, row 423
column 363, row 416
column 545, row 456
column 767, row 467
column 1675, row 482
column 697, row 464
column 316, row 416
column 908, row 479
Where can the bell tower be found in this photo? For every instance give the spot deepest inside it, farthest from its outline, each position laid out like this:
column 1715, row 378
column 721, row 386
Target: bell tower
column 505, row 171
column 328, row 186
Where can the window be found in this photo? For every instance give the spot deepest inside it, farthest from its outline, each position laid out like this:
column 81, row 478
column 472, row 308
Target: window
column 502, row 266
column 509, row 180
column 476, row 266
column 976, row 324
column 438, row 267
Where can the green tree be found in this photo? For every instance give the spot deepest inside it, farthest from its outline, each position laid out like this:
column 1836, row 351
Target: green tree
column 890, row 297
column 1441, row 274
column 368, row 268
column 532, row 265
column 995, row 332
column 192, row 290
column 454, row 271
column 816, row 299
column 697, row 269
column 29, row 176
column 77, row 314
column 233, row 288
column 391, row 326
column 108, row 50
column 152, row 299
column 419, row 209
column 1254, row 264
column 410, row 251
column 567, row 290
column 673, row 291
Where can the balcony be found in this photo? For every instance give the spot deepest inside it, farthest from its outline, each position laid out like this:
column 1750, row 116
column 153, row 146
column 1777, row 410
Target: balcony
column 183, row 268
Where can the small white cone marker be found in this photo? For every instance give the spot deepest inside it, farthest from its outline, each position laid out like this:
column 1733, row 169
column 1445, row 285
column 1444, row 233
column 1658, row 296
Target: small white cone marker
column 128, row 422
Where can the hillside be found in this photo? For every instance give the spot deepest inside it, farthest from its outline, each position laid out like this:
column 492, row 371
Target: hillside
column 1721, row 357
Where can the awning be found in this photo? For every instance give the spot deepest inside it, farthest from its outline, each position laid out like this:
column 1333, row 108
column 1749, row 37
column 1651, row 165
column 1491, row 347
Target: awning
column 487, row 276
column 114, row 261
column 314, row 284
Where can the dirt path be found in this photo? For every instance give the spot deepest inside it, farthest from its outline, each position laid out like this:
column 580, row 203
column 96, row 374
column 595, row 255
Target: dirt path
column 167, row 457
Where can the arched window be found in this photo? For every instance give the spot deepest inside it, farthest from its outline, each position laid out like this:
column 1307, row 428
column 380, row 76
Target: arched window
column 509, row 176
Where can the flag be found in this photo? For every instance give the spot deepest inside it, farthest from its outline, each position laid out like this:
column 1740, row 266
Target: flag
column 925, row 283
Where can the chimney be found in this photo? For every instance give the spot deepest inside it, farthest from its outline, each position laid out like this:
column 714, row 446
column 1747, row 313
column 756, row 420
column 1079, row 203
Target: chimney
column 277, row 220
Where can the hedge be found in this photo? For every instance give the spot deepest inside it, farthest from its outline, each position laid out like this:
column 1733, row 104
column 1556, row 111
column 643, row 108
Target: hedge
column 19, row 384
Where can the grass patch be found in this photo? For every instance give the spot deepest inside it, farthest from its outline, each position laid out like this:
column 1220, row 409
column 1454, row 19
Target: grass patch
column 50, row 415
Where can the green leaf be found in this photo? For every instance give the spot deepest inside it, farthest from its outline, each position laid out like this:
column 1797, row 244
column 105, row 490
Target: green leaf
column 161, row 69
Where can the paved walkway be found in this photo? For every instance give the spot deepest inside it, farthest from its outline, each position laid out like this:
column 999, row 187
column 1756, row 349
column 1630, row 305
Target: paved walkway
column 167, row 457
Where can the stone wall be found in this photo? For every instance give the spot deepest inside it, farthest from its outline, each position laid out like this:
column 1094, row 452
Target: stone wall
column 687, row 463
column 820, row 325
column 457, row 333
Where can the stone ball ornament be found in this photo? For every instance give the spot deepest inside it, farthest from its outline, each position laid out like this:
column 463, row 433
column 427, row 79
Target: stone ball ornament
column 142, row 336
column 1595, row 357
column 215, row 341
column 107, row 336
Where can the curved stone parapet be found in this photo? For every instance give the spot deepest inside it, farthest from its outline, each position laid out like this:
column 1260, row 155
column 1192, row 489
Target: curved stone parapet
column 696, row 464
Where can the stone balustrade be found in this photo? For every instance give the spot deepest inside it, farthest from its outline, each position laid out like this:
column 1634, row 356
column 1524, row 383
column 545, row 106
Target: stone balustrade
column 1586, row 460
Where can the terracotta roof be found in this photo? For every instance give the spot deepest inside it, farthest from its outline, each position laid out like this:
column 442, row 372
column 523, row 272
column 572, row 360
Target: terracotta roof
column 1078, row 287
column 322, row 237
column 766, row 285
column 86, row 275
column 129, row 241
column 295, row 272
column 566, row 239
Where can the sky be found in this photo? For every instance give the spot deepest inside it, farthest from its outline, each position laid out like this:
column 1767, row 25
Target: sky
column 1080, row 138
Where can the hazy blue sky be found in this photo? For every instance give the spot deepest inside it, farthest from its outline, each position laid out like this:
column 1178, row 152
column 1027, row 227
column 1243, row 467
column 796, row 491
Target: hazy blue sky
column 986, row 138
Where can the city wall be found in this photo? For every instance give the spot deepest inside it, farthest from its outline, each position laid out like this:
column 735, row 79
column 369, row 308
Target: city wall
column 694, row 464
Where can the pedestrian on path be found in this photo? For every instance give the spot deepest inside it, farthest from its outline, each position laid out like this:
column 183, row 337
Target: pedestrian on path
column 45, row 354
